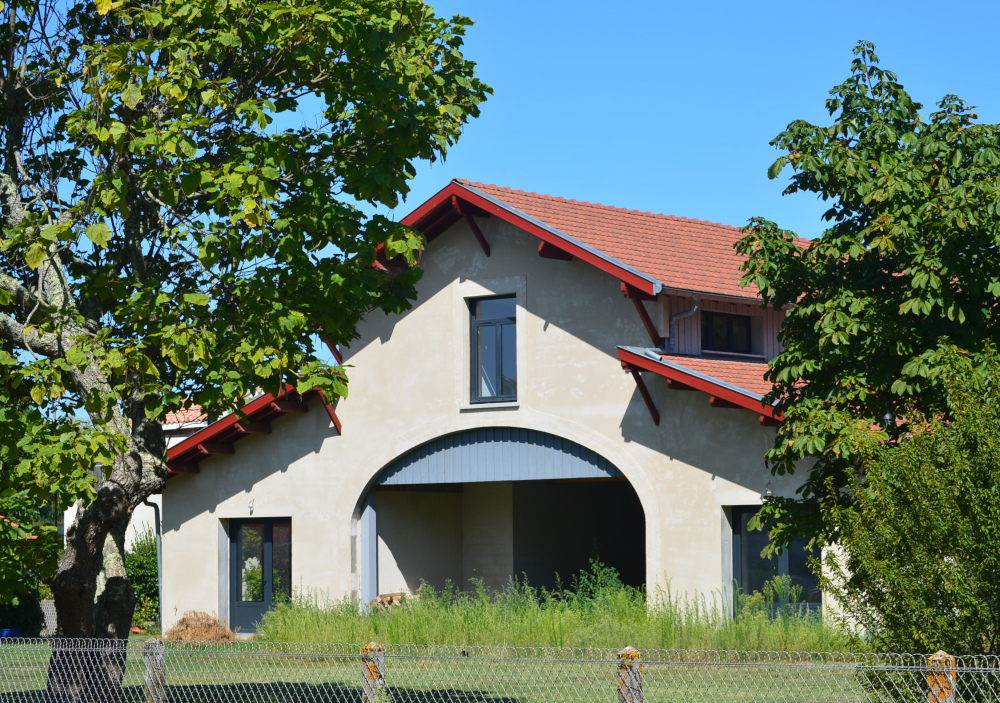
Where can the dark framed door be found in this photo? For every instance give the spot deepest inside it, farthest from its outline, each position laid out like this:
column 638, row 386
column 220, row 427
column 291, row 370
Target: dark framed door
column 260, row 576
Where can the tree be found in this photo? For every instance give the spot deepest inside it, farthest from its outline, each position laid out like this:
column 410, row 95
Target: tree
column 173, row 235
column 920, row 565
column 910, row 261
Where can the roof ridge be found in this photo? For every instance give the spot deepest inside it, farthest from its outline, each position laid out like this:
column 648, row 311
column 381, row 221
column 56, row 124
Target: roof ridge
column 647, row 213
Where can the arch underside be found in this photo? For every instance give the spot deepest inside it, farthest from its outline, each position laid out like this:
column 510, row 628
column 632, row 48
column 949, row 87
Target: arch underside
column 494, row 503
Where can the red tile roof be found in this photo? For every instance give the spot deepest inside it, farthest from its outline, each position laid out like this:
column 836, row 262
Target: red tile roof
column 683, row 254
column 185, row 416
column 745, row 373
column 734, row 382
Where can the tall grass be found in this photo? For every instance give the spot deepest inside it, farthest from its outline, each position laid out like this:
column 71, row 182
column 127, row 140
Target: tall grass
column 597, row 611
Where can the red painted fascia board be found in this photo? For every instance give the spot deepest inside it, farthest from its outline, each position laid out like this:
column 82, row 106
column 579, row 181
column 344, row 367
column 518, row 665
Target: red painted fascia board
column 217, row 429
column 696, row 382
column 459, row 191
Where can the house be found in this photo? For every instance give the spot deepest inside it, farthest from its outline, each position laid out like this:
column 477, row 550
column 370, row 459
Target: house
column 573, row 380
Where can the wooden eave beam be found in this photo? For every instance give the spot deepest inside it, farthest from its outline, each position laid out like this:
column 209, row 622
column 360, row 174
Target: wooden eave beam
column 644, row 392
column 675, row 385
column 551, row 251
column 184, row 468
column 214, row 448
column 637, row 296
column 472, row 224
column 289, row 406
column 717, row 402
column 767, row 421
column 247, row 427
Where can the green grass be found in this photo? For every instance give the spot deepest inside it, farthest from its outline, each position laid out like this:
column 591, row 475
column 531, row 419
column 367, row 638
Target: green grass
column 597, row 612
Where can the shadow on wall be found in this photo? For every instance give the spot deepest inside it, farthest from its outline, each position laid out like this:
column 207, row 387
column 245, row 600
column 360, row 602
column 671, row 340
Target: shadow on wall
column 727, row 443
column 294, row 438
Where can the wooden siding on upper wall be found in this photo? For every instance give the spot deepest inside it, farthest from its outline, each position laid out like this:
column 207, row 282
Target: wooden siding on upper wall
column 764, row 331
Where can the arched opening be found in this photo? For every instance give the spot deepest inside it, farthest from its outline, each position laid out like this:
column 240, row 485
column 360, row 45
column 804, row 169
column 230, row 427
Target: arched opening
column 495, row 503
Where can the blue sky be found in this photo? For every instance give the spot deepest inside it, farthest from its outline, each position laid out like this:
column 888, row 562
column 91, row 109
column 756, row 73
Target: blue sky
column 669, row 106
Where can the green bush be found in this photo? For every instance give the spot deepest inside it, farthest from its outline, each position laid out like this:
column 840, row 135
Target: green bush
column 920, row 567
column 140, row 565
column 598, row 611
column 24, row 613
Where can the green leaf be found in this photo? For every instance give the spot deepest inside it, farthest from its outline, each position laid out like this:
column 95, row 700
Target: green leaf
column 196, row 298
column 34, row 255
column 131, row 96
column 37, row 394
column 99, row 234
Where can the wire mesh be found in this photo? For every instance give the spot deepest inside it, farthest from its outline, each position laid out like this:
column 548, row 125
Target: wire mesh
column 156, row 671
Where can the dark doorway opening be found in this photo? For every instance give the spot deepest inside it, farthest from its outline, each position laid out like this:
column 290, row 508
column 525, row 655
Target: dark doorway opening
column 559, row 526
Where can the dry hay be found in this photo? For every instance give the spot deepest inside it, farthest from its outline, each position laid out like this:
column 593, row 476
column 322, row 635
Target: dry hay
column 200, row 627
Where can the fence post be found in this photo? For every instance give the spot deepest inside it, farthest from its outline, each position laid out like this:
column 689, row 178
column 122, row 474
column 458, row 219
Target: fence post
column 373, row 668
column 154, row 671
column 630, row 676
column 941, row 678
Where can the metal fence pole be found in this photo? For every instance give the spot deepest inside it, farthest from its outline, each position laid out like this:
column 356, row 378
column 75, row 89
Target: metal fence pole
column 941, row 678
column 630, row 676
column 373, row 669
column 154, row 671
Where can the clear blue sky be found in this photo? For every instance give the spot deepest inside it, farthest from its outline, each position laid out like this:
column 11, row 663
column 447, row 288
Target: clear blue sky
column 669, row 106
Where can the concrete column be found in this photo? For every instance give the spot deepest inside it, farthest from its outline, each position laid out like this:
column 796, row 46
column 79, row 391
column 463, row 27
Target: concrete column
column 488, row 533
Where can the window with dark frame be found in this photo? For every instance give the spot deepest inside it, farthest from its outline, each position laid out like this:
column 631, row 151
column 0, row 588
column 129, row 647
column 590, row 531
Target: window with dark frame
column 725, row 333
column 751, row 571
column 494, row 349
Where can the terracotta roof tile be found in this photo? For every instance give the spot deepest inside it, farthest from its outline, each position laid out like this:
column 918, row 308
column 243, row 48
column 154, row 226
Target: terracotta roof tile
column 194, row 414
column 683, row 254
column 746, row 374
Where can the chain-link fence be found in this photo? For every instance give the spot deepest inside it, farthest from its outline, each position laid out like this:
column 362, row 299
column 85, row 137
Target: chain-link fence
column 102, row 671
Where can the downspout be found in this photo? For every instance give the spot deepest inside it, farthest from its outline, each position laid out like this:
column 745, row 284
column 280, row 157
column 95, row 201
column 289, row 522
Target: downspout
column 159, row 556
column 672, row 342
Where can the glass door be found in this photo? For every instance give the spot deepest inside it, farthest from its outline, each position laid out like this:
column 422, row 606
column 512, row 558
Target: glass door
column 260, row 569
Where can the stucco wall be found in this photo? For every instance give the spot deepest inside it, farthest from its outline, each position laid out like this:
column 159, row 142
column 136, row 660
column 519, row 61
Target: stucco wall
column 488, row 533
column 409, row 381
column 419, row 539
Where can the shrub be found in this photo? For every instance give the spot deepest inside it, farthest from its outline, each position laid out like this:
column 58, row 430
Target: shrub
column 24, row 613
column 140, row 565
column 920, row 568
column 200, row 627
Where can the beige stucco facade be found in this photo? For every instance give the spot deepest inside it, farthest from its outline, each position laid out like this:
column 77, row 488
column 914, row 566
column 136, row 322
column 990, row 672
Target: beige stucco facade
column 409, row 384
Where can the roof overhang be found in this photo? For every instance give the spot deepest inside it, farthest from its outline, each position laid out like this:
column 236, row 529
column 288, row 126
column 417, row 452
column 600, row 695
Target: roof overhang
column 440, row 212
column 722, row 394
column 253, row 418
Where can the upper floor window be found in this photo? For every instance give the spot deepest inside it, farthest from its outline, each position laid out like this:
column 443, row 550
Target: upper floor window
column 494, row 349
column 725, row 333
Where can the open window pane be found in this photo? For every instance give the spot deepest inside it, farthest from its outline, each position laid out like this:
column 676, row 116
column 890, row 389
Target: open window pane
column 740, row 341
column 725, row 333
column 281, row 563
column 486, row 352
column 720, row 333
column 251, row 562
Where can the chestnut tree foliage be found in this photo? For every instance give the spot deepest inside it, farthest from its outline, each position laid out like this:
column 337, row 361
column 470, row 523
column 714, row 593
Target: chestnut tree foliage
column 909, row 264
column 920, row 566
column 178, row 181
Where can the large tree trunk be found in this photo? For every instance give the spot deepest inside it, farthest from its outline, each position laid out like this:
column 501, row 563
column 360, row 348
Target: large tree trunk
column 94, row 605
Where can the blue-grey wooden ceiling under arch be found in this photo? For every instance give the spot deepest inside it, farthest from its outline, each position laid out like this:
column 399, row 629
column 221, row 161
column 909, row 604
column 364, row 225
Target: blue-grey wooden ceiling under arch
column 496, row 454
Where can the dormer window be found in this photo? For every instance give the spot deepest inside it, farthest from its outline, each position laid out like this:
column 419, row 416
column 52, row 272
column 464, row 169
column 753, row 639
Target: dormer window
column 494, row 349
column 725, row 333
